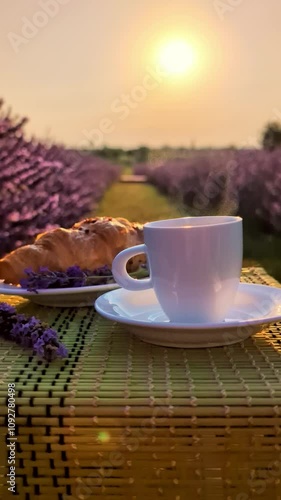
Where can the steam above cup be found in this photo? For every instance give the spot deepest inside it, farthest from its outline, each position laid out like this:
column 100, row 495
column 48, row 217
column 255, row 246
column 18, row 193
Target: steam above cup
column 195, row 265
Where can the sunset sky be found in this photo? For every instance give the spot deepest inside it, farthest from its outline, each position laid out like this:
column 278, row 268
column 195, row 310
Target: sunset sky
column 92, row 72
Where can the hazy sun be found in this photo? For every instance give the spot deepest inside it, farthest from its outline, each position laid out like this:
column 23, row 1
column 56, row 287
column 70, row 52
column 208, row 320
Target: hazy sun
column 176, row 57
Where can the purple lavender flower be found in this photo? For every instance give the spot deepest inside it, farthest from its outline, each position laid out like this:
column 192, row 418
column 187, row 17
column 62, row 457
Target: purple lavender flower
column 8, row 318
column 74, row 276
column 30, row 332
column 48, row 335
column 34, row 336
column 6, row 309
column 39, row 346
column 62, row 351
column 16, row 330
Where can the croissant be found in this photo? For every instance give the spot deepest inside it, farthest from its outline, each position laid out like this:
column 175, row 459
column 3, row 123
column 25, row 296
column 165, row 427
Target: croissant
column 89, row 244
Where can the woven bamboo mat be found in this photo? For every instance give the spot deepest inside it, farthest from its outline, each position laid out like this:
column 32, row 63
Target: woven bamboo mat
column 121, row 419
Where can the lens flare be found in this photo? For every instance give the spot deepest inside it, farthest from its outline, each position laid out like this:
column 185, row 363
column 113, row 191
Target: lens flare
column 103, row 437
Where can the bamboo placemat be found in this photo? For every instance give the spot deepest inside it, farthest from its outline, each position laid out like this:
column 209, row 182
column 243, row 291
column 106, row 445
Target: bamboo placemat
column 121, row 419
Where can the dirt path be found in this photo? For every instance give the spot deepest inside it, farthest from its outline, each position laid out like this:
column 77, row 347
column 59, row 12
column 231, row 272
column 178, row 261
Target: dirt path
column 137, row 202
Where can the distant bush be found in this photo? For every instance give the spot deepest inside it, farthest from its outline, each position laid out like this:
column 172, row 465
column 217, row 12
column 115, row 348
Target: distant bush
column 271, row 136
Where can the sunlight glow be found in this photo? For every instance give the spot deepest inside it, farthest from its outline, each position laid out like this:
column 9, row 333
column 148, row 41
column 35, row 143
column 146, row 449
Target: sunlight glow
column 176, row 57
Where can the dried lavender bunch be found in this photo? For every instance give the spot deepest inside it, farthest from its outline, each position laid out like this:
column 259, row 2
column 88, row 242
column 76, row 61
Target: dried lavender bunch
column 30, row 332
column 74, row 276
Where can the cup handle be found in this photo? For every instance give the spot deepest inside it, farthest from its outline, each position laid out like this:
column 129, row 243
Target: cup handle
column 120, row 273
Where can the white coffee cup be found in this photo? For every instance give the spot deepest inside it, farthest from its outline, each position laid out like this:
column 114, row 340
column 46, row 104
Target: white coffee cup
column 195, row 265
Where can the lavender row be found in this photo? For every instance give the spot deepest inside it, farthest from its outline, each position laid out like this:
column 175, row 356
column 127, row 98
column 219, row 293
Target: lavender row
column 44, row 187
column 247, row 182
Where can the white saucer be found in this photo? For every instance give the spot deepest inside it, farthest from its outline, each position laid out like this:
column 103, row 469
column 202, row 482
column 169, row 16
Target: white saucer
column 254, row 307
column 60, row 297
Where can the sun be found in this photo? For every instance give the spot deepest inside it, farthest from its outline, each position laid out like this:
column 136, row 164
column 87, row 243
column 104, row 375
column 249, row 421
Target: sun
column 176, row 57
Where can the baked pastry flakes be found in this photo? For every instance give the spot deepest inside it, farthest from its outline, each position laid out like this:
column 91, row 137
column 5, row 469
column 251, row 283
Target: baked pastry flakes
column 89, row 244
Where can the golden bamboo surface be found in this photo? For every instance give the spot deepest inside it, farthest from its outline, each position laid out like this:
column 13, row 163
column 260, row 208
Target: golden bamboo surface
column 121, row 419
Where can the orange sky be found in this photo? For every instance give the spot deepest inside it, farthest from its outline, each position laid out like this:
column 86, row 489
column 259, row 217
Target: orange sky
column 86, row 72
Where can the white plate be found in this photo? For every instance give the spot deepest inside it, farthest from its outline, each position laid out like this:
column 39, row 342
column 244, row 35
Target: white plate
column 254, row 307
column 60, row 297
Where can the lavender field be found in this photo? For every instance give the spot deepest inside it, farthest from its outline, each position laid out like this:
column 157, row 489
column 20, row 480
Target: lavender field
column 229, row 182
column 244, row 182
column 43, row 187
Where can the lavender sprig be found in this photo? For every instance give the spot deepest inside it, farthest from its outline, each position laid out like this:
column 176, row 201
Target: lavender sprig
column 30, row 332
column 74, row 276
